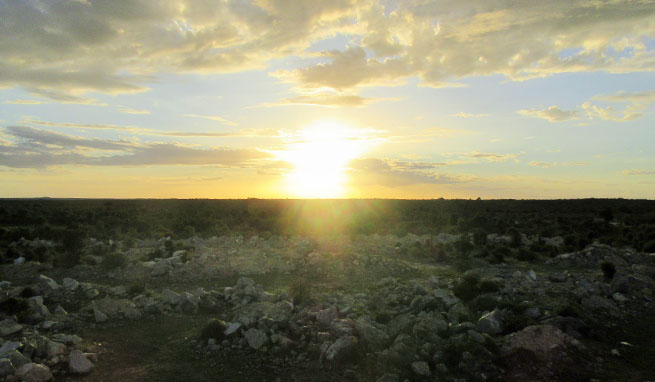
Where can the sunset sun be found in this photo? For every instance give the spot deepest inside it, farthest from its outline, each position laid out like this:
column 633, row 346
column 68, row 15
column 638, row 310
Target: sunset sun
column 320, row 154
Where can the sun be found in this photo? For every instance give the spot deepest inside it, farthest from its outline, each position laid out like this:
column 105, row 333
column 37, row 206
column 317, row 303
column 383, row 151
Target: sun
column 320, row 154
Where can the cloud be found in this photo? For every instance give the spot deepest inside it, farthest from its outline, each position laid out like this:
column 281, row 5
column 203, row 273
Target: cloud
column 493, row 157
column 63, row 49
column 543, row 164
column 636, row 102
column 328, row 99
column 468, row 115
column 439, row 42
column 631, row 97
column 392, row 173
column 161, row 133
column 87, row 126
column 213, row 118
column 640, row 172
column 348, row 69
column 128, row 110
column 36, row 148
column 552, row 114
column 25, row 102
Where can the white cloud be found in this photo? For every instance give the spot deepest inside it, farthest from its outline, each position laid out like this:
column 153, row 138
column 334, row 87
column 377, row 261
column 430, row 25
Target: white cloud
column 328, row 99
column 63, row 50
column 543, row 164
column 469, row 115
column 213, row 118
column 25, row 102
column 493, row 157
column 552, row 114
column 641, row 172
column 128, row 110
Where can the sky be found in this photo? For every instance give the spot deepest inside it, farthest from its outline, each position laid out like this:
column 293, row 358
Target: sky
column 327, row 99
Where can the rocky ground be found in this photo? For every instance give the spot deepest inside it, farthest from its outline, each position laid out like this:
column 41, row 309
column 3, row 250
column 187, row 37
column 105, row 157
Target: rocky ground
column 367, row 308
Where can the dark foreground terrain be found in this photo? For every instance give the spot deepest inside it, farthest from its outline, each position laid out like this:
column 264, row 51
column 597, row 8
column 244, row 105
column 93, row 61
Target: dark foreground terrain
column 353, row 290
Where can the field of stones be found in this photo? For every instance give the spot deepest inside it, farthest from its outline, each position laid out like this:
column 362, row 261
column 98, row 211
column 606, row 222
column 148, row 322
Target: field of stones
column 375, row 291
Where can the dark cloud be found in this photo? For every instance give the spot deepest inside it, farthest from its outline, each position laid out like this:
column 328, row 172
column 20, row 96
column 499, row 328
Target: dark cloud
column 35, row 148
column 391, row 173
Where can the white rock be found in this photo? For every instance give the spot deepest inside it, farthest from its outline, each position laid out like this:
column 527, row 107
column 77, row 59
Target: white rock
column 170, row 297
column 70, row 284
column 9, row 326
column 48, row 284
column 34, row 372
column 99, row 316
column 256, row 338
column 421, row 368
column 78, row 363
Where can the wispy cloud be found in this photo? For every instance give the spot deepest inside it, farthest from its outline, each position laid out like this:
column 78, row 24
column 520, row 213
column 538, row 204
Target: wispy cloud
column 153, row 132
column 493, row 157
column 25, row 102
column 543, row 164
column 213, row 118
column 328, row 99
column 393, row 173
column 469, row 115
column 631, row 106
column 128, row 110
column 552, row 114
column 36, row 148
column 638, row 172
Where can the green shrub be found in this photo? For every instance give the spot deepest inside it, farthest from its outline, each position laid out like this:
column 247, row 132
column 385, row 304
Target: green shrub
column 569, row 309
column 468, row 287
column 489, row 286
column 114, row 260
column 213, row 328
column 526, row 255
column 68, row 259
column 482, row 303
column 609, row 270
column 300, row 291
column 14, row 306
column 649, row 247
column 463, row 262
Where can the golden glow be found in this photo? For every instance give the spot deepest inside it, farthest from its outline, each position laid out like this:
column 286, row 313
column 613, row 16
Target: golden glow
column 320, row 154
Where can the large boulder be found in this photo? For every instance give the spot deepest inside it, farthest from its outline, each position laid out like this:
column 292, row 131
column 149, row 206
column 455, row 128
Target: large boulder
column 491, row 323
column 326, row 316
column 8, row 347
column 6, row 368
column 47, row 284
column 70, row 284
column 249, row 314
column 9, row 326
column 170, row 297
column 78, row 363
column 256, row 338
column 34, row 372
column 429, row 327
column 421, row 368
column 542, row 353
column 374, row 338
column 340, row 349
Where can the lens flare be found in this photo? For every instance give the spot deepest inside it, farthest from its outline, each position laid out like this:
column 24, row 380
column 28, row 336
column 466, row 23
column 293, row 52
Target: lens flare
column 320, row 154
